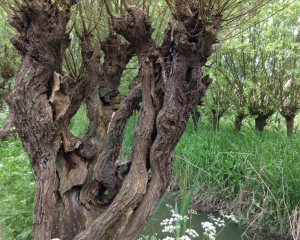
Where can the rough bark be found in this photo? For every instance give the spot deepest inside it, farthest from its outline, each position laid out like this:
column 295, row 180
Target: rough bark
column 41, row 43
column 184, row 88
column 82, row 192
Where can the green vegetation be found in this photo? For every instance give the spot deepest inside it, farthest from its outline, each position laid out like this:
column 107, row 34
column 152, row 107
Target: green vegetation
column 17, row 187
column 257, row 173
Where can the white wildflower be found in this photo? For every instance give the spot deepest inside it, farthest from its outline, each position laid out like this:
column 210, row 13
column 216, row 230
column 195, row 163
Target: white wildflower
column 208, row 226
column 169, row 238
column 168, row 206
column 192, row 233
column 192, row 212
column 170, row 229
column 217, row 221
column 231, row 217
column 184, row 237
column 209, row 230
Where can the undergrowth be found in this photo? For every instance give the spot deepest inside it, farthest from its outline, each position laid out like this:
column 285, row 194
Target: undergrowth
column 17, row 188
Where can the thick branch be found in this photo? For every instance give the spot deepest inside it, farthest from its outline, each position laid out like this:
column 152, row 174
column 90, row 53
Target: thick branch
column 105, row 169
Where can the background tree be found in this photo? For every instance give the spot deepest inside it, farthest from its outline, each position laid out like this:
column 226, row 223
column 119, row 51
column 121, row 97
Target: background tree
column 287, row 46
column 227, row 67
column 81, row 190
column 217, row 100
column 9, row 61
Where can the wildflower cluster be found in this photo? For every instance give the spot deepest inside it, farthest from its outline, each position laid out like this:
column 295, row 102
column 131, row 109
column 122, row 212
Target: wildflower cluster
column 217, row 221
column 174, row 224
column 231, row 217
column 210, row 228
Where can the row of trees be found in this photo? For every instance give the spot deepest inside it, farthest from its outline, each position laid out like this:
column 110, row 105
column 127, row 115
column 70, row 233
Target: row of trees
column 257, row 72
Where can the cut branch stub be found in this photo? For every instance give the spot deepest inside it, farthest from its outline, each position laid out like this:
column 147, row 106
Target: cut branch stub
column 136, row 28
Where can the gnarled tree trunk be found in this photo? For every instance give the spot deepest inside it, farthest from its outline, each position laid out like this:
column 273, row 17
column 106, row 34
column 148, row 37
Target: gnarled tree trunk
column 261, row 121
column 81, row 190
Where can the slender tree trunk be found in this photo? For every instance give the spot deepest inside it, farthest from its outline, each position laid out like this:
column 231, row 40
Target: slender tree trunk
column 216, row 119
column 196, row 116
column 8, row 129
column 238, row 122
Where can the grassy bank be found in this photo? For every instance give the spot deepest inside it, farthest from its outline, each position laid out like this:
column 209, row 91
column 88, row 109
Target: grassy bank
column 255, row 175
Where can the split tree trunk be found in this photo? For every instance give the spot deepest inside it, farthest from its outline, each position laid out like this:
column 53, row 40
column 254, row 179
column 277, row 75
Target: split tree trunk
column 81, row 190
column 260, row 123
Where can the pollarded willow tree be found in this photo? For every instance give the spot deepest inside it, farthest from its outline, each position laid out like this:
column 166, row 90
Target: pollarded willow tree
column 81, row 190
column 260, row 67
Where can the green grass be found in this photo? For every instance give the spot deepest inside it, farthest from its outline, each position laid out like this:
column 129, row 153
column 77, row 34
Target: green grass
column 17, row 188
column 256, row 173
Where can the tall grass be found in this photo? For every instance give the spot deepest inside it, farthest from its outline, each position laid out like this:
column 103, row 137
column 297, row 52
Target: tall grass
column 257, row 172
